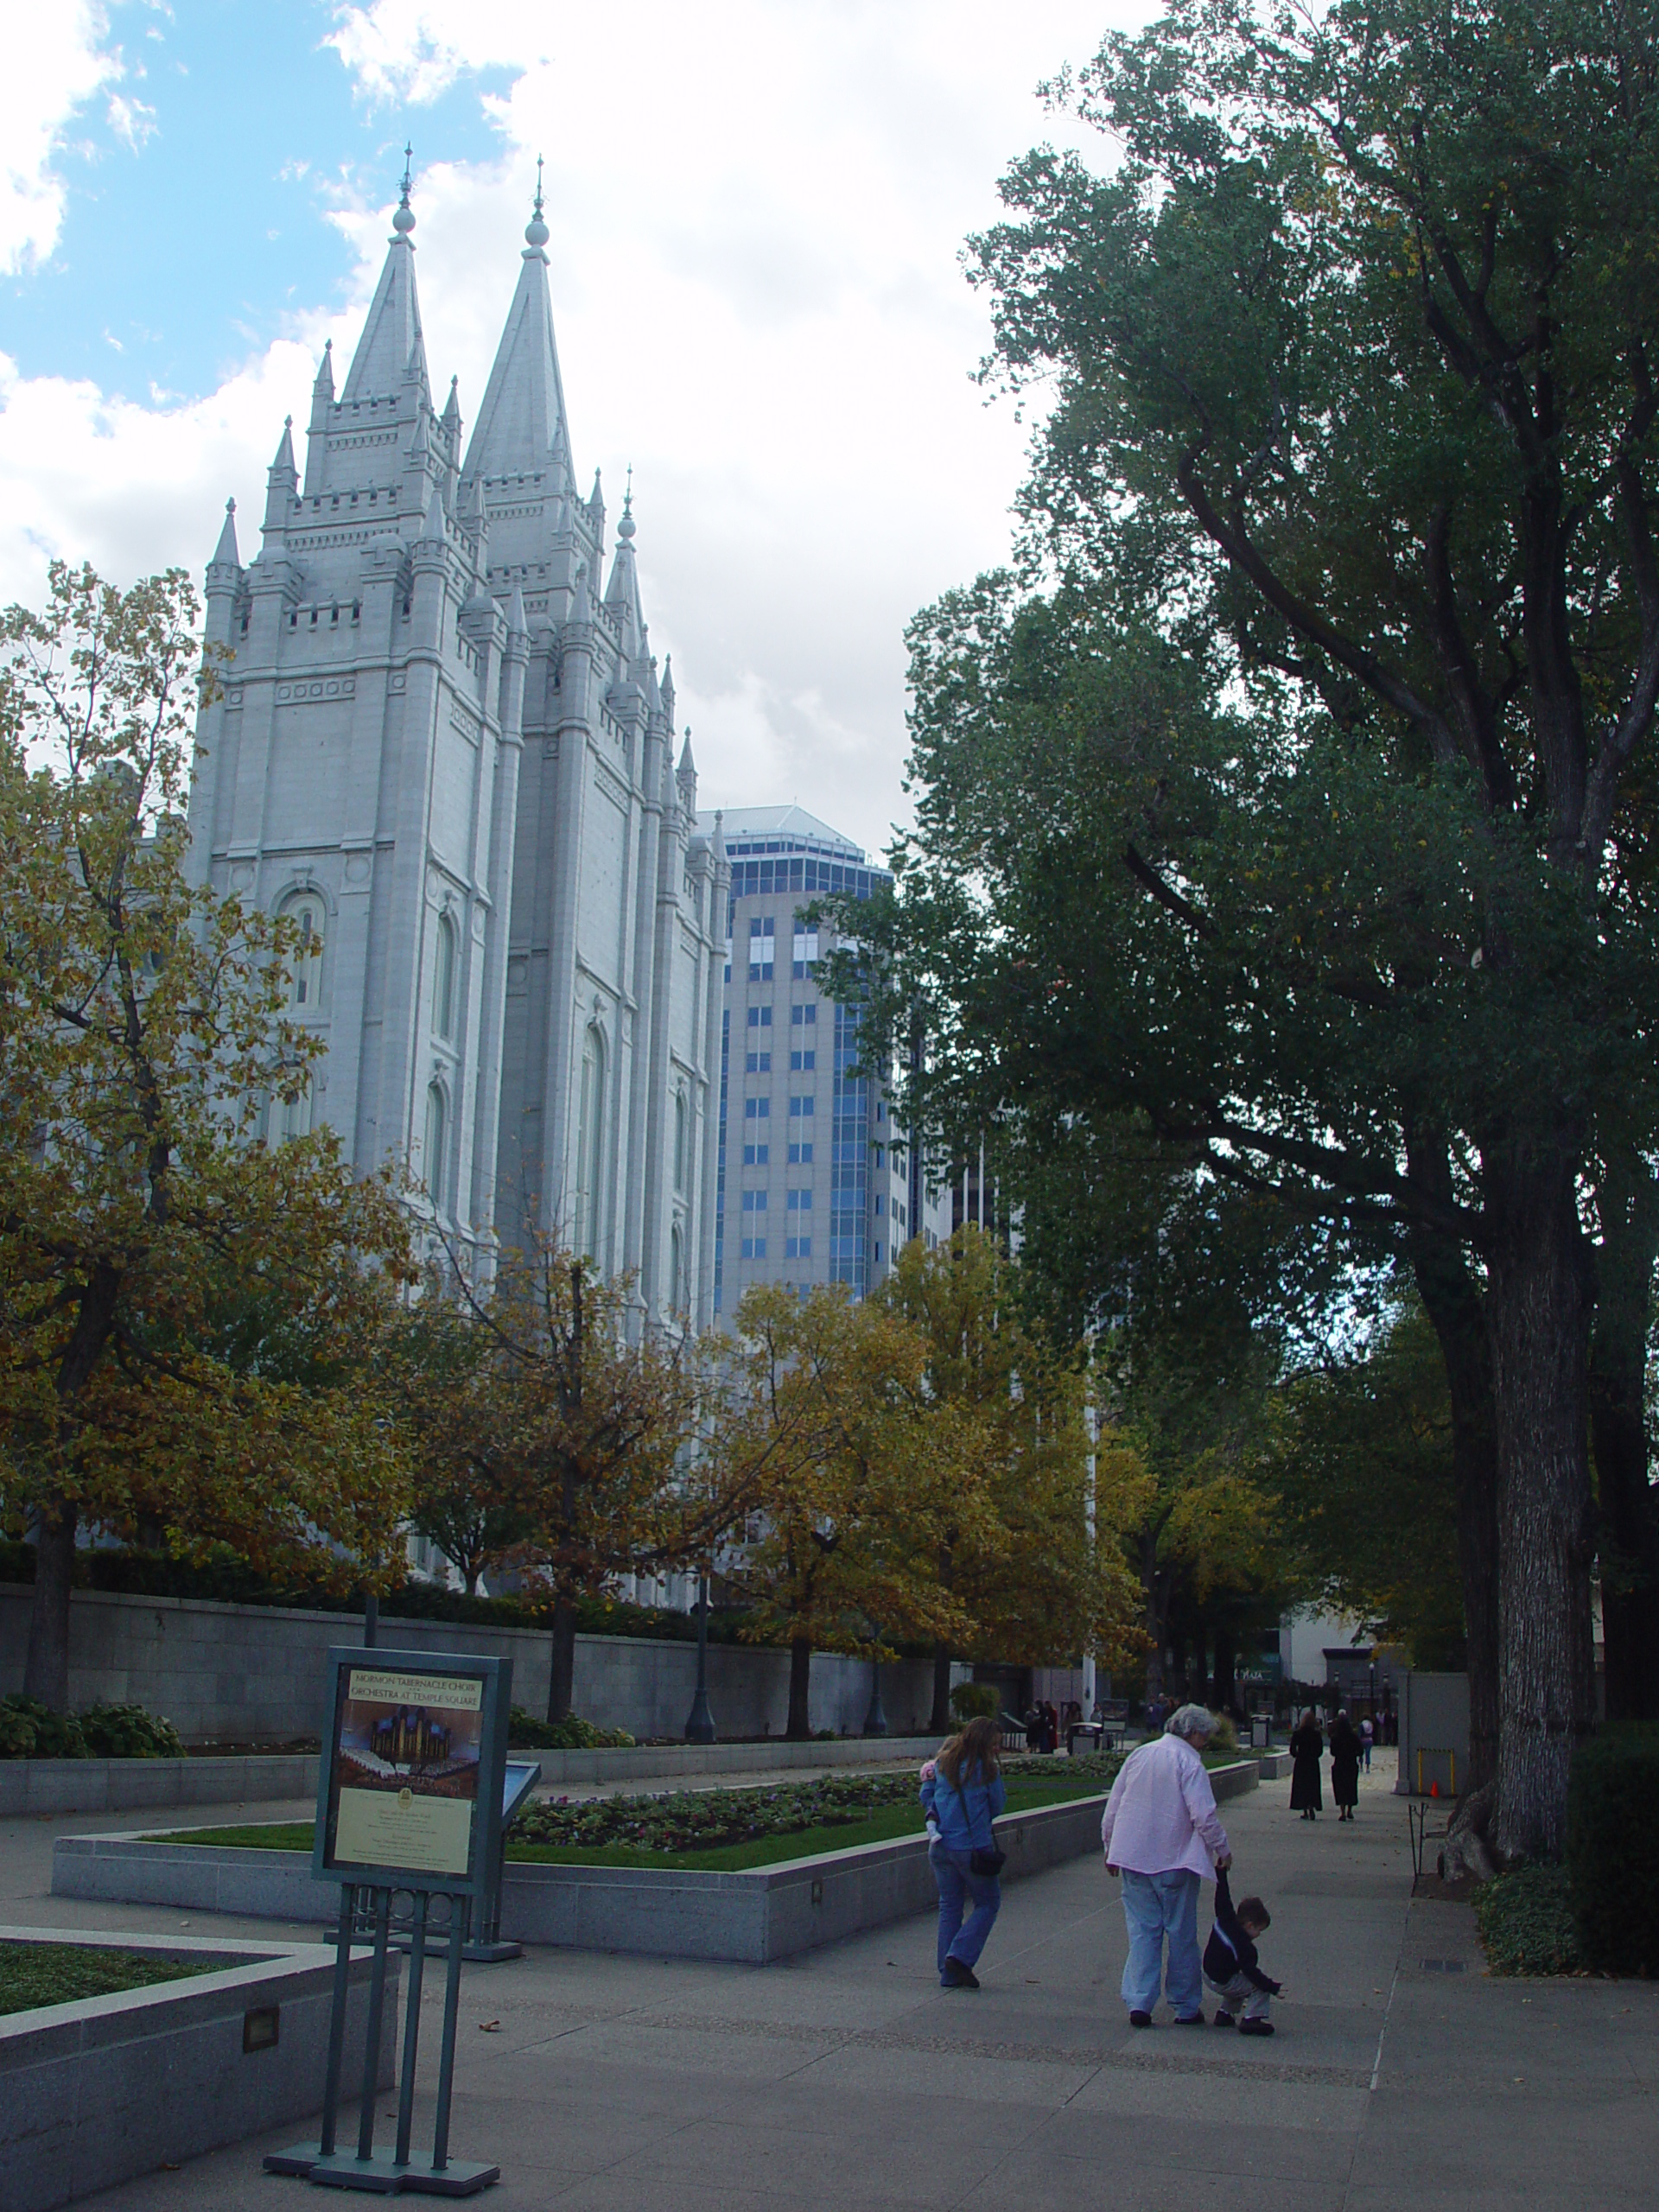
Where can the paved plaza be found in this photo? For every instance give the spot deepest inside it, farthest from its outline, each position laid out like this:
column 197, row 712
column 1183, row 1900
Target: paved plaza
column 1401, row 2078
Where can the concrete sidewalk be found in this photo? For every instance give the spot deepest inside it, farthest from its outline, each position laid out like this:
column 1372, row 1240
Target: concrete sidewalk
column 846, row 2081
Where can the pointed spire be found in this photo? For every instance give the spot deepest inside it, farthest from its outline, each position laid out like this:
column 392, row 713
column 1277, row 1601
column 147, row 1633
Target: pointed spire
column 283, row 460
column 432, row 529
column 452, row 411
column 668, row 690
column 521, row 426
column 517, row 621
column 225, row 555
column 324, row 386
column 391, row 347
column 688, row 766
column 596, row 499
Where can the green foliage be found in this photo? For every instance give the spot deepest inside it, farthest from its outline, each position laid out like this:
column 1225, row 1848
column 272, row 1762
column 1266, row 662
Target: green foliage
column 127, row 1732
column 30, row 1730
column 1224, row 1737
column 1361, row 1458
column 973, row 1700
column 571, row 1733
column 1612, row 1815
column 1527, row 1923
column 33, row 1974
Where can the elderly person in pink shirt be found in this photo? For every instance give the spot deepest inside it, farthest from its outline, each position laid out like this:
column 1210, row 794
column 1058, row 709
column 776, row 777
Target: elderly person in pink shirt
column 1161, row 1833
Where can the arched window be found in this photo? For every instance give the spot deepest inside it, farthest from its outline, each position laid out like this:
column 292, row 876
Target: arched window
column 443, row 980
column 291, row 1117
column 432, row 1160
column 590, row 1129
column 681, row 1135
column 676, row 1298
column 305, row 957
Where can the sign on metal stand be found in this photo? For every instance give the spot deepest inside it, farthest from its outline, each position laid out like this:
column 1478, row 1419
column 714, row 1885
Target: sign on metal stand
column 411, row 1796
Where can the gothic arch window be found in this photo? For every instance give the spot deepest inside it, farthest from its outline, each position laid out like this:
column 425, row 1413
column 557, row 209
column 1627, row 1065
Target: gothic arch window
column 682, row 1136
column 590, row 1139
column 291, row 1117
column 304, row 910
column 432, row 1156
column 676, row 1298
column 443, row 979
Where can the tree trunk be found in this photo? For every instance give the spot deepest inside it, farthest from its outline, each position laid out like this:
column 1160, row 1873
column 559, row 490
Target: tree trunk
column 561, row 1677
column 1538, row 1317
column 1222, row 1684
column 938, row 1722
column 46, row 1669
column 1452, row 1302
column 799, row 1728
column 1628, row 1201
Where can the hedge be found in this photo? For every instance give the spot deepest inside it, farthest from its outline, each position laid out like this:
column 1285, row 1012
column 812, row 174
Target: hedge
column 1612, row 1817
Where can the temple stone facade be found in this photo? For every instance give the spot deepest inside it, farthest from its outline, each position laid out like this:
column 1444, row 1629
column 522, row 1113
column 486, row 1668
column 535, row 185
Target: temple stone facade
column 445, row 752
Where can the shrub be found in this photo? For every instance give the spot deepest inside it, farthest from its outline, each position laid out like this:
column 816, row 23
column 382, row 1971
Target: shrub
column 127, row 1732
column 572, row 1733
column 30, row 1730
column 974, row 1701
column 1224, row 1736
column 1612, row 1812
column 1525, row 1919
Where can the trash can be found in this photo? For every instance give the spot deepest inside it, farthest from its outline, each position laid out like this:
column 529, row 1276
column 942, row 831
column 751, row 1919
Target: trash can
column 1261, row 1732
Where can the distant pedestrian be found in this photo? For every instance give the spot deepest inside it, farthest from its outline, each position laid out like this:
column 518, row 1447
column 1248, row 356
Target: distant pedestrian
column 1161, row 1833
column 1306, row 1750
column 1344, row 1766
column 1367, row 1738
column 961, row 1797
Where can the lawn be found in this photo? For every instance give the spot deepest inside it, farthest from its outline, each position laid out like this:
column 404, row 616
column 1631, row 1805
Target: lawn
column 56, row 1974
column 882, row 1824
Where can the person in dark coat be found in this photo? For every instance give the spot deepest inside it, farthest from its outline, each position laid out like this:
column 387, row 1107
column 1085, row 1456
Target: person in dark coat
column 1306, row 1750
column 1344, row 1766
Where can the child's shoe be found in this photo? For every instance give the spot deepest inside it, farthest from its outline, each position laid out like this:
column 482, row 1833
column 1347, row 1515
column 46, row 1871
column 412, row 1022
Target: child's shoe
column 1255, row 2027
column 1225, row 2020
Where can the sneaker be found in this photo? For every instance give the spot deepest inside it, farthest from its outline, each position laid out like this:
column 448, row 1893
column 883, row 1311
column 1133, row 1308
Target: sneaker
column 1225, row 2020
column 1140, row 2019
column 1255, row 2027
column 1190, row 2020
column 958, row 1976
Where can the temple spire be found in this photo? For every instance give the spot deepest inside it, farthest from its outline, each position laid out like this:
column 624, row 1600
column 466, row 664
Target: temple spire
column 226, row 554
column 521, row 427
column 391, row 348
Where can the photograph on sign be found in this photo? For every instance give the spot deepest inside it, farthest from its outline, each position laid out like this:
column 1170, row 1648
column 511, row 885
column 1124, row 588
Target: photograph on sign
column 406, row 1761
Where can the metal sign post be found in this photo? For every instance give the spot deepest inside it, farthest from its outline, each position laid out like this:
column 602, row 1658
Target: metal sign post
column 412, row 1796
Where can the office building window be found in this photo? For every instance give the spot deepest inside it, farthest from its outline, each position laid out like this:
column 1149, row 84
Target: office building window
column 754, row 1201
column 800, row 1109
column 806, row 951
column 762, row 949
column 802, row 1062
column 760, row 1017
column 756, row 1110
column 804, row 1017
column 752, row 1248
column 756, row 1156
column 758, row 1064
column 797, row 1248
column 800, row 1201
column 800, row 1155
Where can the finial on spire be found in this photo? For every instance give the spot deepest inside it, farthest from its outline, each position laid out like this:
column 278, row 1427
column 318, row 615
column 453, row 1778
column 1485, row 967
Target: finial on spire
column 404, row 220
column 536, row 230
column 625, row 527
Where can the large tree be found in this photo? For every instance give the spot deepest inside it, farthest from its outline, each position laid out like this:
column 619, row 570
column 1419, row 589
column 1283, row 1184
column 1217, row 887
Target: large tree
column 1308, row 812
column 186, row 1313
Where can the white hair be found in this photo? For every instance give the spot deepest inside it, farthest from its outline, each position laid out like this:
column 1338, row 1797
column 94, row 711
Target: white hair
column 1191, row 1720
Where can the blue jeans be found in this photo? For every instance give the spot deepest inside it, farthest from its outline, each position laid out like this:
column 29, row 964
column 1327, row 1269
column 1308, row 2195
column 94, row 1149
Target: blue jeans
column 1156, row 1906
column 957, row 1884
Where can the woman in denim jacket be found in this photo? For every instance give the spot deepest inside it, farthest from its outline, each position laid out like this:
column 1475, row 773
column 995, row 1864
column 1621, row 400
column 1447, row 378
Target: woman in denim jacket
column 962, row 1795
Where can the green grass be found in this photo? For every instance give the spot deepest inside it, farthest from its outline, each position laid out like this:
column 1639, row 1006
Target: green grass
column 57, row 1973
column 883, row 1826
column 1526, row 1922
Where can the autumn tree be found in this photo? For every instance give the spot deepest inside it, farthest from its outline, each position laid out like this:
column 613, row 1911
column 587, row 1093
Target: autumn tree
column 1016, row 1547
column 843, row 1548
column 185, row 1312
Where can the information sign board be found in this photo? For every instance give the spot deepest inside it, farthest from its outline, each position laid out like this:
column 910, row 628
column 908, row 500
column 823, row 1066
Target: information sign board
column 410, row 1788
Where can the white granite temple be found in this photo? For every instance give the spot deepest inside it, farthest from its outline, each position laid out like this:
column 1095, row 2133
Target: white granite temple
column 450, row 759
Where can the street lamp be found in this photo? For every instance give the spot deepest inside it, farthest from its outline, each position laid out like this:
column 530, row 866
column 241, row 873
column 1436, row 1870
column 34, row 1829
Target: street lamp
column 700, row 1722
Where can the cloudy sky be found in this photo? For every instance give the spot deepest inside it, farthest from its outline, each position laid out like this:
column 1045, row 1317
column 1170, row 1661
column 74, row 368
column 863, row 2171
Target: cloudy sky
column 757, row 211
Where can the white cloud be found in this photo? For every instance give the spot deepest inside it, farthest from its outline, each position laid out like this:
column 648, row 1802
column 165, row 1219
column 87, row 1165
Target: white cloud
column 56, row 59
column 757, row 211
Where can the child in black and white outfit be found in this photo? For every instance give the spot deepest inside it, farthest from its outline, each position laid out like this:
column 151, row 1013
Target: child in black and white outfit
column 1230, row 1965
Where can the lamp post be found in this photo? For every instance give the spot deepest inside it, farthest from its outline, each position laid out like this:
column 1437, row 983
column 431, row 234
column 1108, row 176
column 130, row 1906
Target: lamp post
column 700, row 1722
